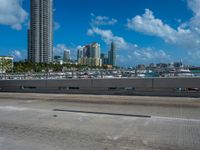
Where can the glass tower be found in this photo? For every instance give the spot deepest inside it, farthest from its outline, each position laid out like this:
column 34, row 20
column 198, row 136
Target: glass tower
column 112, row 55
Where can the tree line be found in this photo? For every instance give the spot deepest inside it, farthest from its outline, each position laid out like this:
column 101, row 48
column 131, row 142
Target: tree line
column 21, row 67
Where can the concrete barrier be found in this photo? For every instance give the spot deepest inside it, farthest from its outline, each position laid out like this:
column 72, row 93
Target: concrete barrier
column 135, row 86
column 176, row 82
column 22, row 84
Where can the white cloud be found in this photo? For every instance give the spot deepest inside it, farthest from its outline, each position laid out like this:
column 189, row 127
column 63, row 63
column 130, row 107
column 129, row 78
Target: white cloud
column 148, row 24
column 185, row 36
column 102, row 20
column 149, row 53
column 107, row 36
column 12, row 13
column 194, row 22
column 56, row 25
column 142, row 55
column 194, row 5
column 18, row 54
column 138, row 55
column 128, row 53
column 59, row 49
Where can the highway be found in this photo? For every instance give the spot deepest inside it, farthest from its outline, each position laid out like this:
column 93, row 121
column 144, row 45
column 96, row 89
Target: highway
column 93, row 122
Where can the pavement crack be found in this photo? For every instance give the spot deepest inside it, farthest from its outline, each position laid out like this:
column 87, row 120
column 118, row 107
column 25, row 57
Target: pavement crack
column 102, row 113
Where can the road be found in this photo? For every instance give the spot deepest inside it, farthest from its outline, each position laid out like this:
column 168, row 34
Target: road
column 86, row 122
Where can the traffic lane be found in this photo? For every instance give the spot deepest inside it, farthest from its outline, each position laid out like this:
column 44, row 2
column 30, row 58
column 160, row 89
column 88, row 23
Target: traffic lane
column 134, row 109
column 28, row 128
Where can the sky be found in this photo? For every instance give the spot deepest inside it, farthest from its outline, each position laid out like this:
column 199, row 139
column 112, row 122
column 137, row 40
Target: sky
column 144, row 31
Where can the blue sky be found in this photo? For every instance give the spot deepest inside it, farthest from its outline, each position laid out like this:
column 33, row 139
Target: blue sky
column 144, row 31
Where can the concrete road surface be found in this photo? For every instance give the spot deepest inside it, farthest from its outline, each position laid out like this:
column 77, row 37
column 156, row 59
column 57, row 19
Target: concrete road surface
column 86, row 122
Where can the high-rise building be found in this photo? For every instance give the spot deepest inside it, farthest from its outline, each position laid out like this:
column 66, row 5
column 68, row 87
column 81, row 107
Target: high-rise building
column 104, row 59
column 79, row 54
column 40, row 34
column 86, row 51
column 112, row 55
column 66, row 56
column 95, row 50
column 95, row 58
column 89, row 55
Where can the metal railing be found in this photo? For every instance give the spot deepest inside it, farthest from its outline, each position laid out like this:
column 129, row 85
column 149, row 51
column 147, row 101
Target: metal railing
column 92, row 75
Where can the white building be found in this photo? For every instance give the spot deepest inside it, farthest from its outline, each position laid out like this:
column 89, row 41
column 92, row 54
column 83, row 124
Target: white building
column 66, row 56
column 6, row 64
column 90, row 55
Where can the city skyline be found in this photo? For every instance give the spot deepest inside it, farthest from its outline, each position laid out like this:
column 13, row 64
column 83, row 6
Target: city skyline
column 143, row 31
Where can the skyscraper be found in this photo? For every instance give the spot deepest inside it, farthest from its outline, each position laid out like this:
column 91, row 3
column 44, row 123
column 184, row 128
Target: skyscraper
column 40, row 34
column 86, row 51
column 66, row 56
column 112, row 55
column 95, row 50
column 95, row 57
column 89, row 55
column 79, row 53
column 104, row 59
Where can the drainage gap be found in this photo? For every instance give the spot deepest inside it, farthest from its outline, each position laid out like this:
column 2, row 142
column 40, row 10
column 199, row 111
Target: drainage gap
column 103, row 113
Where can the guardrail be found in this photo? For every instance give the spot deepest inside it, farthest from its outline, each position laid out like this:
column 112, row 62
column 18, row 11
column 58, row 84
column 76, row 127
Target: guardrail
column 93, row 75
column 134, row 86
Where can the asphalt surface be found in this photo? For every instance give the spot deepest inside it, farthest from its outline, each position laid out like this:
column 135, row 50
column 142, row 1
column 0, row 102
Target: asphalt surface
column 86, row 122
